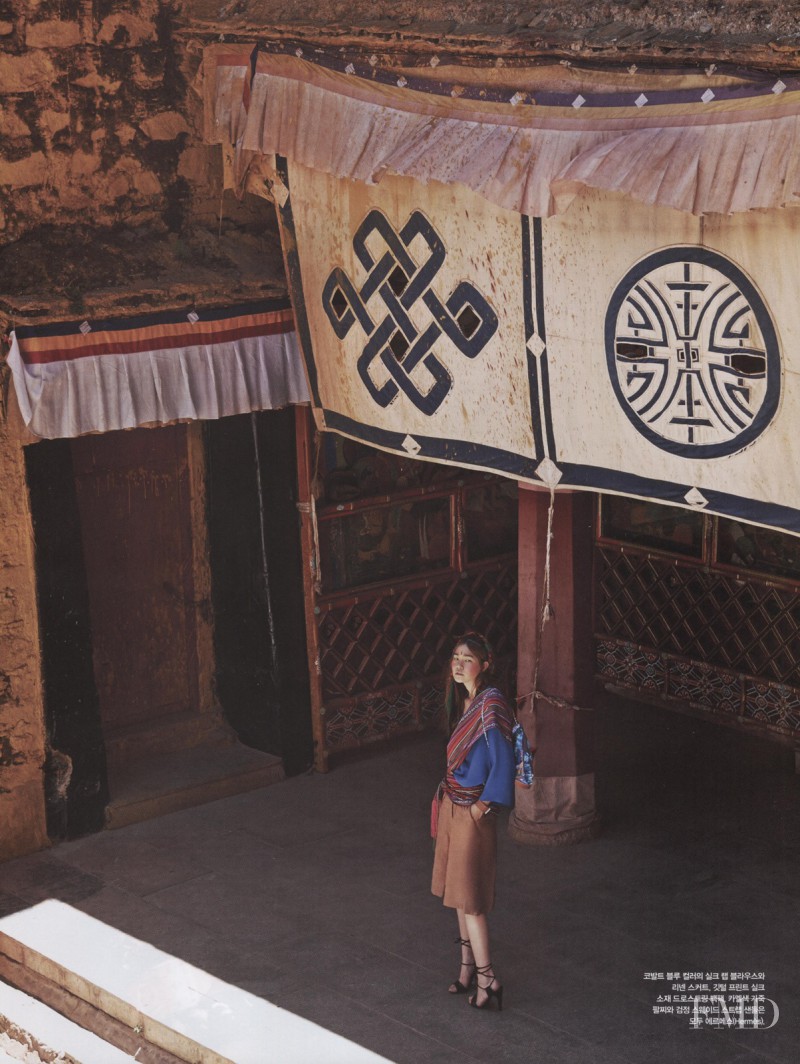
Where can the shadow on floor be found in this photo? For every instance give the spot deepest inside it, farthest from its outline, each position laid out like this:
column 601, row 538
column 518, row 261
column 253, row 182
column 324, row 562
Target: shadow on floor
column 315, row 894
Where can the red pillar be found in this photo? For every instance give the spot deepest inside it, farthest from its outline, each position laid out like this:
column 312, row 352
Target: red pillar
column 560, row 806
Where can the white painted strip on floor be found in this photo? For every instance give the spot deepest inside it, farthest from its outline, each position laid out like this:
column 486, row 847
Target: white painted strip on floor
column 178, row 1006
column 50, row 1030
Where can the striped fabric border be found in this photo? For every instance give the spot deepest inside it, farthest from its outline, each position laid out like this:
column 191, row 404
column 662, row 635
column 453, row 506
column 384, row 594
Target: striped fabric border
column 132, row 336
column 509, row 106
column 101, row 375
column 749, row 84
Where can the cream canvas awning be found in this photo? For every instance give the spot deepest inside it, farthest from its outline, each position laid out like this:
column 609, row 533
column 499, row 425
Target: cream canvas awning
column 577, row 279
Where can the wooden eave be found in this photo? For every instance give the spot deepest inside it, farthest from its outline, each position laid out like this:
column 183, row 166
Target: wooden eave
column 52, row 276
column 609, row 44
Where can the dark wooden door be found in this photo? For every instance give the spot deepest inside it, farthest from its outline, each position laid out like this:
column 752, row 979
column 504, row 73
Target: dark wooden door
column 134, row 502
column 257, row 584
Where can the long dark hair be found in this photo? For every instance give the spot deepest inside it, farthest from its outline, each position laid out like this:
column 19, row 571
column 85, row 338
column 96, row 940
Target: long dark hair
column 455, row 694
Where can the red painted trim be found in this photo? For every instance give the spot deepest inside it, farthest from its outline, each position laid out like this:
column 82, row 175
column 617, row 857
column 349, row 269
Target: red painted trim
column 234, row 59
column 147, row 344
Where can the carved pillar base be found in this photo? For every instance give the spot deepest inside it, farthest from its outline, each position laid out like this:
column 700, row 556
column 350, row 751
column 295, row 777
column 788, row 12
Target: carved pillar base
column 556, row 810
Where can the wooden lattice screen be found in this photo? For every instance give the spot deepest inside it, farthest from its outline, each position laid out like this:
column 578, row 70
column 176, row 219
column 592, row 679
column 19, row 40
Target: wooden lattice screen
column 713, row 639
column 383, row 657
column 379, row 653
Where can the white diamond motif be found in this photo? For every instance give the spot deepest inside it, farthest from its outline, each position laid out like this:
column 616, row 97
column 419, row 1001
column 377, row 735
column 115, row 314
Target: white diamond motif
column 536, row 346
column 695, row 497
column 548, row 472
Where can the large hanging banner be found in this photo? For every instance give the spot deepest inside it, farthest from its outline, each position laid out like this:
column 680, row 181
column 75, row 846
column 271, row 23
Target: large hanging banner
column 413, row 340
column 614, row 347
column 544, row 284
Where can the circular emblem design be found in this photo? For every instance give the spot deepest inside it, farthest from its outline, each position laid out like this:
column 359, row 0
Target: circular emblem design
column 693, row 353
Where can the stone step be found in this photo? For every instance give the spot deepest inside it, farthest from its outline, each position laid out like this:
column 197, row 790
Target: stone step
column 164, row 783
column 174, row 1006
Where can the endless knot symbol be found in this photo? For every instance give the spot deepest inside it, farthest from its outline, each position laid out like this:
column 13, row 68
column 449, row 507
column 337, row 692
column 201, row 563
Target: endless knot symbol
column 693, row 353
column 399, row 285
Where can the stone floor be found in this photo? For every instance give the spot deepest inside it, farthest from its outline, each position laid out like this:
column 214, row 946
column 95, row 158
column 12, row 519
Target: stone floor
column 315, row 894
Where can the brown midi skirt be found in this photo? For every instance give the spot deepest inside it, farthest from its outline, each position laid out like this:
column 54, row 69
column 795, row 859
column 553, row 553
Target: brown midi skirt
column 465, row 859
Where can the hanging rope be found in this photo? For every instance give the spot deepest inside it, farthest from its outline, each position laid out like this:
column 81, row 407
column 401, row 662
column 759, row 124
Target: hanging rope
column 547, row 612
column 310, row 508
column 264, row 559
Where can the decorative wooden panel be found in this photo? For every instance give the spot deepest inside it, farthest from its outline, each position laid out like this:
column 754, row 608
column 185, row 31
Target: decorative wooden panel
column 707, row 616
column 721, row 644
column 383, row 656
column 402, row 634
column 379, row 636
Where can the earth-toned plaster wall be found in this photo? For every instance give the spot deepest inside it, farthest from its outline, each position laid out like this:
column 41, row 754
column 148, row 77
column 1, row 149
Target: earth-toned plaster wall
column 22, row 736
column 95, row 117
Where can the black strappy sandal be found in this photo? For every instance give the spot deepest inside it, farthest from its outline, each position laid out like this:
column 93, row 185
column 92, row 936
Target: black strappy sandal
column 458, row 987
column 492, row 993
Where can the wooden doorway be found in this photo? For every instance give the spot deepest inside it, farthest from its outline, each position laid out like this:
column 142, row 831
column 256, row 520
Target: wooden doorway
column 126, row 629
column 125, row 583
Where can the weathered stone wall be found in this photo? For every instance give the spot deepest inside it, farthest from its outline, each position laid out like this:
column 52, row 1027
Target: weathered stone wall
column 22, row 736
column 100, row 153
column 97, row 118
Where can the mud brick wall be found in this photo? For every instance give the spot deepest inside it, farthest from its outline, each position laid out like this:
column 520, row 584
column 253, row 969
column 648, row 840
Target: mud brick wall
column 97, row 116
column 22, row 736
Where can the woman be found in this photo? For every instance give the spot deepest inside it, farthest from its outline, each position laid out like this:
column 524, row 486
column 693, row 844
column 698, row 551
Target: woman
column 479, row 779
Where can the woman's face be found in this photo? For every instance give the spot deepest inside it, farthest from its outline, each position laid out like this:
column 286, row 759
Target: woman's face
column 466, row 666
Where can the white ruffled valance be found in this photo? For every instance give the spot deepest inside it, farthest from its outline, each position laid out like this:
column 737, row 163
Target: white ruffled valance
column 96, row 376
column 683, row 145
